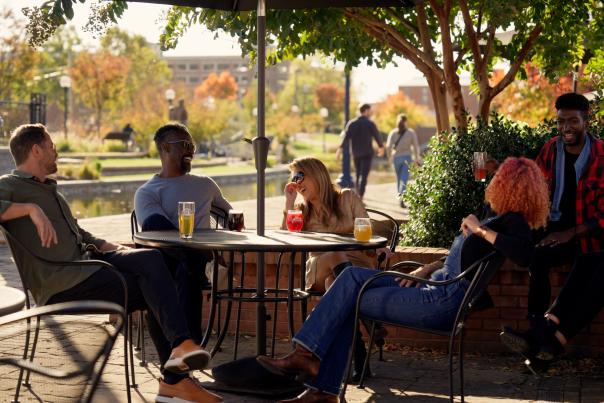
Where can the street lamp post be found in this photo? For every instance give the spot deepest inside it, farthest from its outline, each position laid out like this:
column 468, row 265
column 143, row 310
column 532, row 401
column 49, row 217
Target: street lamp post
column 324, row 112
column 65, row 83
column 170, row 95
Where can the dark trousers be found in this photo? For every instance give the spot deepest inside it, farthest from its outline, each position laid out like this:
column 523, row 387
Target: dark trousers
column 188, row 270
column 150, row 287
column 582, row 296
column 362, row 166
column 544, row 259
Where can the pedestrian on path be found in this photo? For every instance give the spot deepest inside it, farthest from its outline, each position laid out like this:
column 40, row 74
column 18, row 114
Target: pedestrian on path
column 359, row 133
column 403, row 149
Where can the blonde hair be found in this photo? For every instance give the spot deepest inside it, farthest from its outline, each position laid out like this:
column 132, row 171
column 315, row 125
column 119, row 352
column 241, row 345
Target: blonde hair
column 329, row 194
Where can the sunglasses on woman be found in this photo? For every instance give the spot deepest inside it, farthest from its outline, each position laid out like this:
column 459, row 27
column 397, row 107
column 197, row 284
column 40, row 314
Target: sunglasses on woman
column 185, row 144
column 298, row 177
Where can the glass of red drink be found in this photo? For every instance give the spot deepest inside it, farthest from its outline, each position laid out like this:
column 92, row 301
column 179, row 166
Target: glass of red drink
column 294, row 220
column 480, row 166
column 235, row 220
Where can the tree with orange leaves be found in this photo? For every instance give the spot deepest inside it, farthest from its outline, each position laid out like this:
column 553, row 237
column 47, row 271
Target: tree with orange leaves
column 385, row 112
column 99, row 80
column 221, row 86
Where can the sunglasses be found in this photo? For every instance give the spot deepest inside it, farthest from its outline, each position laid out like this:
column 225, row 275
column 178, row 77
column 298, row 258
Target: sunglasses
column 185, row 144
column 298, row 177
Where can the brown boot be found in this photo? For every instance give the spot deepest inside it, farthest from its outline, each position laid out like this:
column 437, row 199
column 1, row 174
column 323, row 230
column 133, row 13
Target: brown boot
column 312, row 396
column 299, row 362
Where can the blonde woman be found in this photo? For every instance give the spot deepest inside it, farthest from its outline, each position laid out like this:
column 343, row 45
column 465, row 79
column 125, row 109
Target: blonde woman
column 325, row 208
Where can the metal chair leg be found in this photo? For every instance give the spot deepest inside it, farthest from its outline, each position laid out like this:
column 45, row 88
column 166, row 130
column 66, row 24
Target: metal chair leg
column 21, row 371
column 460, row 362
column 141, row 335
column 367, row 356
column 33, row 350
column 451, row 351
column 131, row 352
column 126, row 366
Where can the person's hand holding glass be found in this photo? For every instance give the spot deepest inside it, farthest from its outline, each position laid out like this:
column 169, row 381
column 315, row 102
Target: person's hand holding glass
column 186, row 219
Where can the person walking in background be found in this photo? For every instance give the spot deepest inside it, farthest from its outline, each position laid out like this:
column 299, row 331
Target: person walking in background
column 403, row 148
column 359, row 132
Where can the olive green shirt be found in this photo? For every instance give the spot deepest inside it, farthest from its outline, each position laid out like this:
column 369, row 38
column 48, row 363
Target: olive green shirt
column 45, row 280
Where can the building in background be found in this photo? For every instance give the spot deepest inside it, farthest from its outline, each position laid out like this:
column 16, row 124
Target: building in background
column 193, row 70
column 419, row 92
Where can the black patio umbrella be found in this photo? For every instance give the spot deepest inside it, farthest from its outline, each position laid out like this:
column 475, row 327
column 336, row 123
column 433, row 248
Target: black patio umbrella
column 260, row 143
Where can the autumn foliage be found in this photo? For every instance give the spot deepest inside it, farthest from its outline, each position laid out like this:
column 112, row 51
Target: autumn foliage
column 99, row 80
column 221, row 86
column 385, row 112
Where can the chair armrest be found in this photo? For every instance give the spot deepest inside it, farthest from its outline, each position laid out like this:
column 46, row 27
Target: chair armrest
column 66, row 308
column 406, row 264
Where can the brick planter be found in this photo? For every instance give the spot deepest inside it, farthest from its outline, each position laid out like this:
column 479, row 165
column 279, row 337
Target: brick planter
column 509, row 290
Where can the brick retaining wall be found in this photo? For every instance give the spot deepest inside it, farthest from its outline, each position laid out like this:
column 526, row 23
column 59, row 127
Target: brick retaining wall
column 509, row 290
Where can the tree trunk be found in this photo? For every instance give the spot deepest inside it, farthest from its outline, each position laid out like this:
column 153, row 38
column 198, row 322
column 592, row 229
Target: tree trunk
column 439, row 99
column 484, row 104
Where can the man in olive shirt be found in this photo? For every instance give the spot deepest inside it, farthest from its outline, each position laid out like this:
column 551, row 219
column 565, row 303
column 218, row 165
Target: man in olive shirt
column 38, row 216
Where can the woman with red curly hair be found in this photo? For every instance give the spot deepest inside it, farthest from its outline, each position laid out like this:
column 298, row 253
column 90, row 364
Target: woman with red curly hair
column 517, row 194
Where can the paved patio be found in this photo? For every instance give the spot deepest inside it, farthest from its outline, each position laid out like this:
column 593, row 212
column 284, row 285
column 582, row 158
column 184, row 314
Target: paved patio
column 412, row 374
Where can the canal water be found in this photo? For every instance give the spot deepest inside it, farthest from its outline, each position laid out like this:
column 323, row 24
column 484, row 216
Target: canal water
column 120, row 202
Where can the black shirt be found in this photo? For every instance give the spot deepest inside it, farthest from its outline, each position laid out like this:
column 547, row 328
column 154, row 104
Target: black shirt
column 568, row 201
column 359, row 132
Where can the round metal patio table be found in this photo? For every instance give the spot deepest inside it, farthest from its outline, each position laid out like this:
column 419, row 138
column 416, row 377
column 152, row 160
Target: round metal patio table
column 248, row 241
column 11, row 300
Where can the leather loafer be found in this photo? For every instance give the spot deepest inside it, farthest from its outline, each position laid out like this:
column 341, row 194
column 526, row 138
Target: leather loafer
column 300, row 363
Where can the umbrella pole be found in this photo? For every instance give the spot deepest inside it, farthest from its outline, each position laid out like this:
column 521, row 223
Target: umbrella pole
column 261, row 145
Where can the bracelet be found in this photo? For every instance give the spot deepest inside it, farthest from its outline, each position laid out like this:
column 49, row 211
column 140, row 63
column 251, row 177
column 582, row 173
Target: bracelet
column 483, row 231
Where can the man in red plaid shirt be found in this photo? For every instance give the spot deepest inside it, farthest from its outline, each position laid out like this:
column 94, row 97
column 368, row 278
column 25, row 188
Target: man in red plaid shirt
column 573, row 164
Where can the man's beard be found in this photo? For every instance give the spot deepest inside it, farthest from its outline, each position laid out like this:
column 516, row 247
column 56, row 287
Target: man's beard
column 185, row 167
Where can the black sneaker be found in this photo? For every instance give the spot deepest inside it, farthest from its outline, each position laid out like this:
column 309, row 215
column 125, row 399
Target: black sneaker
column 524, row 343
column 550, row 347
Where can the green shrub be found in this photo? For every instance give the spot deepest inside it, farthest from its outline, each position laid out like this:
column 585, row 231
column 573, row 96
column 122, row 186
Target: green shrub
column 444, row 190
column 114, row 146
column 64, row 146
column 90, row 170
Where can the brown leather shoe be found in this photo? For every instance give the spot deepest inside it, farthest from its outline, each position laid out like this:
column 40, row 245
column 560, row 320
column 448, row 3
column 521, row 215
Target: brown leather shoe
column 187, row 390
column 299, row 362
column 312, row 396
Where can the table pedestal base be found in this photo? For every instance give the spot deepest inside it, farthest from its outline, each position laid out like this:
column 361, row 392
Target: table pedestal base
column 246, row 376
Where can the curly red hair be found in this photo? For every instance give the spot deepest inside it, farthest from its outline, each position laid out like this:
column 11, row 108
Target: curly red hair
column 519, row 186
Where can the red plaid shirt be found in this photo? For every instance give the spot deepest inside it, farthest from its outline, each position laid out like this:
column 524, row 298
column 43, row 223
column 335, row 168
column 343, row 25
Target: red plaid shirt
column 590, row 191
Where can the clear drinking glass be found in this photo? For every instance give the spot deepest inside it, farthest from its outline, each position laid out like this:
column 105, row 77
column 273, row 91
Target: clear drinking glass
column 480, row 166
column 294, row 220
column 362, row 229
column 235, row 220
column 186, row 219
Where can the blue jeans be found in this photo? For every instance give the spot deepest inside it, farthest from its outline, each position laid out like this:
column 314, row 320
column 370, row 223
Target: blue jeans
column 401, row 168
column 328, row 330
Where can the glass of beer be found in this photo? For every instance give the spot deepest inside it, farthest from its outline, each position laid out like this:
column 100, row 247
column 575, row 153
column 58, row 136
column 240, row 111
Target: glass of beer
column 186, row 219
column 362, row 229
column 480, row 166
column 294, row 220
column 235, row 221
